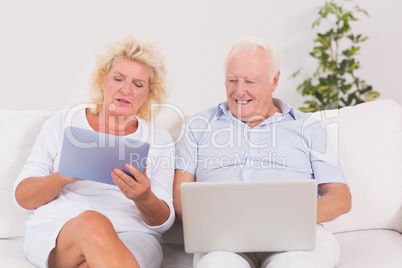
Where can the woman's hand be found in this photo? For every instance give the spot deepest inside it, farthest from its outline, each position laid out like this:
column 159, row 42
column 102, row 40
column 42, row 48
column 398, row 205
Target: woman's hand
column 136, row 190
column 153, row 211
column 34, row 192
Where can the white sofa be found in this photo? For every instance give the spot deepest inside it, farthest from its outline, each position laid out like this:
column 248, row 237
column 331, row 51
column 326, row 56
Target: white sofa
column 368, row 138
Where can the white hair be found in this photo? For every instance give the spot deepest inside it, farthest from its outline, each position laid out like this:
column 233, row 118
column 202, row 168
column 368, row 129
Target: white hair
column 250, row 44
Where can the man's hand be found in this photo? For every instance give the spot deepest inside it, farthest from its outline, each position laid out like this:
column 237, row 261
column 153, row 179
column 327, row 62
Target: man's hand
column 335, row 201
column 180, row 176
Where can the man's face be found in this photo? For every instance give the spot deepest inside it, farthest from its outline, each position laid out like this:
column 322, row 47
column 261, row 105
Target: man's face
column 249, row 86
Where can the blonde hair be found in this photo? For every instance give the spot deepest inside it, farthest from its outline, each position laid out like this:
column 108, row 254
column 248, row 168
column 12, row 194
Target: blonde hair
column 250, row 44
column 143, row 51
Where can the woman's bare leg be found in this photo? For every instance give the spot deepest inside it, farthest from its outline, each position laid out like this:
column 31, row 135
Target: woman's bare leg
column 91, row 241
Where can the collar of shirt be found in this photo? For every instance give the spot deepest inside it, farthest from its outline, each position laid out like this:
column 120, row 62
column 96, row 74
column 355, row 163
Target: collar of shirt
column 287, row 113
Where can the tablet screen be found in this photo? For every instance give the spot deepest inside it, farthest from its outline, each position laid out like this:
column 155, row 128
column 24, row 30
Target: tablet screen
column 92, row 155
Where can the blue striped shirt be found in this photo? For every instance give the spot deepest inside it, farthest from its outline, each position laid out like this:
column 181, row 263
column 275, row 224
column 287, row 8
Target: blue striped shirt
column 289, row 145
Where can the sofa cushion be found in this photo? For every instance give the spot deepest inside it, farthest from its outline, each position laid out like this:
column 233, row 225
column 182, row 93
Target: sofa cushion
column 371, row 248
column 12, row 254
column 18, row 133
column 369, row 140
column 171, row 118
column 174, row 256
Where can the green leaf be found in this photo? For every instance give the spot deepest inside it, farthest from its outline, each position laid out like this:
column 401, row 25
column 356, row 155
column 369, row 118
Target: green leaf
column 312, row 54
column 318, row 96
column 295, row 74
column 351, row 97
column 364, row 39
column 361, row 10
column 324, row 87
column 316, row 23
column 311, row 103
column 343, row 101
column 365, row 89
column 354, row 66
column 355, row 49
column 308, row 110
column 323, row 41
column 325, row 94
column 373, row 95
column 350, row 52
column 323, row 80
column 347, row 53
column 358, row 101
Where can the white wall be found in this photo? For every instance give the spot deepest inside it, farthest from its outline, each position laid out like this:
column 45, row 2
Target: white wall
column 48, row 47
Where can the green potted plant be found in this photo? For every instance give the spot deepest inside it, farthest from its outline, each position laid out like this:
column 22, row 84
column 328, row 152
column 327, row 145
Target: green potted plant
column 334, row 83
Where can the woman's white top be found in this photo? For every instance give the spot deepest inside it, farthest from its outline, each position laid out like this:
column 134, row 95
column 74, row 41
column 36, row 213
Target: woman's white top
column 103, row 198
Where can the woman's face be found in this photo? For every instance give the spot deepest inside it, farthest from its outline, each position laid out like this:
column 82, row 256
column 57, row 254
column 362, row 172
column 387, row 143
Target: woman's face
column 126, row 88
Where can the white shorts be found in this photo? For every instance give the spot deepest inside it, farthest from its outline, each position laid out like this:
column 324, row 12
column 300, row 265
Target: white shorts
column 40, row 240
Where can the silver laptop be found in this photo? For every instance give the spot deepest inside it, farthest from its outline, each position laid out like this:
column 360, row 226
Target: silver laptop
column 92, row 155
column 261, row 216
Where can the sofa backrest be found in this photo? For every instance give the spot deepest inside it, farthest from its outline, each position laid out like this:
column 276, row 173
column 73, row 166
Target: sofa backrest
column 369, row 140
column 18, row 132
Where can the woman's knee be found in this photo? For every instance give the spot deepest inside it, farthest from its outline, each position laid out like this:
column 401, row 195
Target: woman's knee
column 94, row 227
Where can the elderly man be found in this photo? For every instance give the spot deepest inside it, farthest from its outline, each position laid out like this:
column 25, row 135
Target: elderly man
column 253, row 126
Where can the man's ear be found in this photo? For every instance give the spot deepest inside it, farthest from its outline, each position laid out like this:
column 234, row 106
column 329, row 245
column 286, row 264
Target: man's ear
column 275, row 81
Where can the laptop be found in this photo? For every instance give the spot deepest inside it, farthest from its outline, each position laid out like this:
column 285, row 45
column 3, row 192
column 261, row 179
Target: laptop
column 92, row 155
column 257, row 216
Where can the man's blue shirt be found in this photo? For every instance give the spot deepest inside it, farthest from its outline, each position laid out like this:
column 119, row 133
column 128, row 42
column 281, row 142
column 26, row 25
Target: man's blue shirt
column 289, row 145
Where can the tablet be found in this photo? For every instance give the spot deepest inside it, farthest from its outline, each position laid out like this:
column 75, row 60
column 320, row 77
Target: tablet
column 91, row 155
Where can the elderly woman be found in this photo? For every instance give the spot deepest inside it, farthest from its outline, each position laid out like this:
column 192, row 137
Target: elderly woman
column 80, row 223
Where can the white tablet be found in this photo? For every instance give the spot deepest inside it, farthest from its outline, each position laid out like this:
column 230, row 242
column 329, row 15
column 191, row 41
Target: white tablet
column 92, row 155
